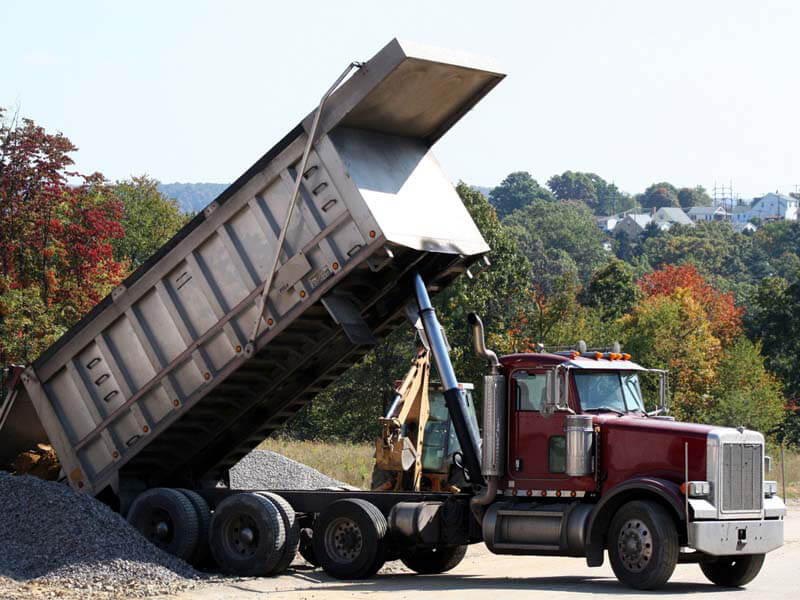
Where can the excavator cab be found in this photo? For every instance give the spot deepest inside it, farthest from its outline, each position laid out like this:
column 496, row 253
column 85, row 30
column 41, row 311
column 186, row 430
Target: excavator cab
column 440, row 442
column 418, row 443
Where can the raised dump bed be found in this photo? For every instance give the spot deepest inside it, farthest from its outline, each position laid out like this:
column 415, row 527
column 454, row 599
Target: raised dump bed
column 157, row 384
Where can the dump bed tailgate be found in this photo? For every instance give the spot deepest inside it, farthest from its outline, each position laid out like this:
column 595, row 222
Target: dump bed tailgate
column 155, row 384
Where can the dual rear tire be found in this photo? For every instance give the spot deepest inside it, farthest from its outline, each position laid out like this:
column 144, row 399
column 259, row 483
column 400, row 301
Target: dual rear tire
column 252, row 533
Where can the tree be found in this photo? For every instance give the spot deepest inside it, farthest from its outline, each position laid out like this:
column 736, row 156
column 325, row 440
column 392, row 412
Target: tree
column 672, row 332
column 150, row 219
column 612, row 290
column 744, row 392
column 571, row 185
column 696, row 196
column 601, row 197
column 658, row 195
column 55, row 239
column 725, row 318
column 517, row 190
column 557, row 236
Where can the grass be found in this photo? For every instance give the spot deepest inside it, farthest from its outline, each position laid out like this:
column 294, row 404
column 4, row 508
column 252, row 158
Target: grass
column 792, row 472
column 345, row 461
column 352, row 463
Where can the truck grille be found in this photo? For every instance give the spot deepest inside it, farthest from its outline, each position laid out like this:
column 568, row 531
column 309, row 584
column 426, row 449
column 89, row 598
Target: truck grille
column 742, row 485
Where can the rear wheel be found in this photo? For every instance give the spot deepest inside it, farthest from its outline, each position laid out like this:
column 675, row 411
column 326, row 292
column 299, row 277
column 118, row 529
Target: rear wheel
column 438, row 559
column 167, row 518
column 733, row 571
column 643, row 545
column 292, row 528
column 202, row 553
column 247, row 535
column 349, row 539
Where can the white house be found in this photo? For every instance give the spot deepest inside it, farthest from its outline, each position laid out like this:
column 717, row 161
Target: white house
column 707, row 213
column 744, row 227
column 774, row 207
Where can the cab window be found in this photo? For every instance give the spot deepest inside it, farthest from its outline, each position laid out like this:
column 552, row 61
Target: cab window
column 531, row 389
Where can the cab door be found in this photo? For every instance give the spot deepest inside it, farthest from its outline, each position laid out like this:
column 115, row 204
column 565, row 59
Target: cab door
column 537, row 452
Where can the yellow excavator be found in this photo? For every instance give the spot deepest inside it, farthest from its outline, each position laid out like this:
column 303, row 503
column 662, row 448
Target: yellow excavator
column 418, row 449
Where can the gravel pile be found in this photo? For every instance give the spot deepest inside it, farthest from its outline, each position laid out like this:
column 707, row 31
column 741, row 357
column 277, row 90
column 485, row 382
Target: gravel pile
column 263, row 469
column 52, row 537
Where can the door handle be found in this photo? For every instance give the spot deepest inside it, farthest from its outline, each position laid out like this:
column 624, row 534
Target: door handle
column 518, row 464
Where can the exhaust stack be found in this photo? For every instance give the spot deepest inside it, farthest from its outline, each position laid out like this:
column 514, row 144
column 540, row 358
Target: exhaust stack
column 479, row 343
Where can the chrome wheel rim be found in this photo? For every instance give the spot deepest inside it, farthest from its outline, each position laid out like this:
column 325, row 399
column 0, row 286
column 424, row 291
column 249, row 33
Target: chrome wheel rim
column 635, row 545
column 343, row 540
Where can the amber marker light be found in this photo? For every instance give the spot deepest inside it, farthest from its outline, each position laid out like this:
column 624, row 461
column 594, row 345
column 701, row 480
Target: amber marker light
column 598, row 355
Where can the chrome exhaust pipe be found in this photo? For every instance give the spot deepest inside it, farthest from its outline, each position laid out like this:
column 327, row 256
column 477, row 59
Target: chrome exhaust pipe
column 479, row 343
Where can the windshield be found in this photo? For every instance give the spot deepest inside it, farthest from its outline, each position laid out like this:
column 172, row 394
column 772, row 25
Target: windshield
column 615, row 391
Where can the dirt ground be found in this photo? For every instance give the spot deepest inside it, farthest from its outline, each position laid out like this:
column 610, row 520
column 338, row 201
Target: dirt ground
column 485, row 576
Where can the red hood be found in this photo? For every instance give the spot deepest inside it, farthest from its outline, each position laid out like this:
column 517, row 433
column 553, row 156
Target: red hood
column 646, row 447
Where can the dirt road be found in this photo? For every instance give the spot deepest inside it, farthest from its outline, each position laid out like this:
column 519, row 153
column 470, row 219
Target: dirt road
column 485, row 576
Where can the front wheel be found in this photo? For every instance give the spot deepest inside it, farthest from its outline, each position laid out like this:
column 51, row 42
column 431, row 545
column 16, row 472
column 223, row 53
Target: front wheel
column 733, row 571
column 643, row 545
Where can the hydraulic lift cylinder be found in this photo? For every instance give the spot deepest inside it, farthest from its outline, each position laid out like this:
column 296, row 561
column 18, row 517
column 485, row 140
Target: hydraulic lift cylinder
column 466, row 432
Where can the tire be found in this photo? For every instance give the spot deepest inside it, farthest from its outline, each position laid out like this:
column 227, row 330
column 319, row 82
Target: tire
column 733, row 571
column 291, row 527
column 202, row 553
column 349, row 539
column 247, row 535
column 439, row 559
column 167, row 519
column 643, row 545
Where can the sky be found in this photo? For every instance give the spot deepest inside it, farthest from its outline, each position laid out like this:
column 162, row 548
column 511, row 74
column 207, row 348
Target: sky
column 687, row 92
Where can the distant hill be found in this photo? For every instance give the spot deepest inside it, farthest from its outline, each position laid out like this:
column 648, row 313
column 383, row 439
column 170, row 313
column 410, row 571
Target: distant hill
column 483, row 190
column 192, row 197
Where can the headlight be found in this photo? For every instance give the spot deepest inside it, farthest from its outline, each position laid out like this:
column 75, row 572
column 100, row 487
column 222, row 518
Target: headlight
column 770, row 489
column 697, row 489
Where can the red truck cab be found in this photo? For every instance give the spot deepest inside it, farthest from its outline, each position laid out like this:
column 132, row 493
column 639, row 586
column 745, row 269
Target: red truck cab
column 576, row 465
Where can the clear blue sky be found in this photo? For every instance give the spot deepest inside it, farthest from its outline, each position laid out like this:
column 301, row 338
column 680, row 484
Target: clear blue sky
column 689, row 92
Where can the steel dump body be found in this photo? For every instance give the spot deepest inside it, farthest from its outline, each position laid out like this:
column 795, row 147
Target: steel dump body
column 154, row 385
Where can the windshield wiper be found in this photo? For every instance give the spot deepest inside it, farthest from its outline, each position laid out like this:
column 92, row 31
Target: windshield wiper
column 608, row 408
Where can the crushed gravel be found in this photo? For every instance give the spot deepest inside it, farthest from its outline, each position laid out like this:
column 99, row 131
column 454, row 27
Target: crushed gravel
column 52, row 538
column 264, row 469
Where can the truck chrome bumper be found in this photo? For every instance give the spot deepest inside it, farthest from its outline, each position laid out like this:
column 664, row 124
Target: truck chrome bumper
column 724, row 538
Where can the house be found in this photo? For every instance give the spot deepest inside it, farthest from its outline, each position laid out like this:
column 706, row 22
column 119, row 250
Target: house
column 633, row 224
column 670, row 215
column 740, row 214
column 774, row 207
column 708, row 213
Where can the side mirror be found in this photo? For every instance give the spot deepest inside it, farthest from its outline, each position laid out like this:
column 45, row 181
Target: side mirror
column 555, row 393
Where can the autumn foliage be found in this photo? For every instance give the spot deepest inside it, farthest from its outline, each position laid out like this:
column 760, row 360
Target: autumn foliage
column 725, row 317
column 56, row 229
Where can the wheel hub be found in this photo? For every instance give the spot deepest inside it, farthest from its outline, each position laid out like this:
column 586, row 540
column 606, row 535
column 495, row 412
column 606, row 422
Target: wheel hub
column 242, row 536
column 635, row 545
column 161, row 530
column 343, row 540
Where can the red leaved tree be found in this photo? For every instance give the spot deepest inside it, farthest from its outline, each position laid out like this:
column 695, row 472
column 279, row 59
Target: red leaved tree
column 724, row 316
column 56, row 228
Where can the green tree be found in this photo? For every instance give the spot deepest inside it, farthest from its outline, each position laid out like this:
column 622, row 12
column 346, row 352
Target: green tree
column 149, row 219
column 696, row 196
column 612, row 290
column 658, row 195
column 557, row 238
column 744, row 392
column 601, row 197
column 517, row 190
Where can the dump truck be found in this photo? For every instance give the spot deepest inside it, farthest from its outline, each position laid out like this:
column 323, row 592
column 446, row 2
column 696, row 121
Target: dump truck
column 338, row 235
